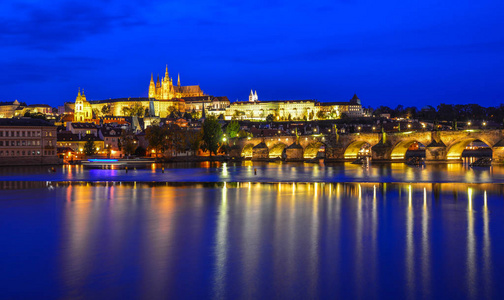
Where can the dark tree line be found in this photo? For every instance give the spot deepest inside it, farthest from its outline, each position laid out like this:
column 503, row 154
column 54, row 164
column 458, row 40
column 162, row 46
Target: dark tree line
column 446, row 112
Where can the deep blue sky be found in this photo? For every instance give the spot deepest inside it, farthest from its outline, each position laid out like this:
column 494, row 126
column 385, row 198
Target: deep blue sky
column 388, row 52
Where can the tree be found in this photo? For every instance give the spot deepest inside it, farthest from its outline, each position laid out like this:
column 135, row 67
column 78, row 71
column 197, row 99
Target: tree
column 232, row 129
column 175, row 139
column 243, row 134
column 211, row 135
column 137, row 110
column 89, row 148
column 157, row 137
column 126, row 111
column 321, row 115
column 105, row 110
column 193, row 138
column 128, row 142
column 140, row 152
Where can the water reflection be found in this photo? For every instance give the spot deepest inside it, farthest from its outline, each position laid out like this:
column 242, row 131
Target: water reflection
column 265, row 172
column 260, row 240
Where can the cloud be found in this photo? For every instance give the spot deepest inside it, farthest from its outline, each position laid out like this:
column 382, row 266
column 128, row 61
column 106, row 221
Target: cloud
column 52, row 27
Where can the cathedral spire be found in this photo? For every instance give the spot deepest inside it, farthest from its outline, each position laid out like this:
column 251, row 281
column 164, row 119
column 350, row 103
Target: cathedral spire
column 166, row 73
column 178, row 80
column 152, row 77
column 78, row 95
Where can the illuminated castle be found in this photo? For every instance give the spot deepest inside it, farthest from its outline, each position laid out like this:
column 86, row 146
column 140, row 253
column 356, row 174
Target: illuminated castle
column 166, row 90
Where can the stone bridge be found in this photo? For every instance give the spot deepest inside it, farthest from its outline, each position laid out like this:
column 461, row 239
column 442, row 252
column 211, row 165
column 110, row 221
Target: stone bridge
column 440, row 146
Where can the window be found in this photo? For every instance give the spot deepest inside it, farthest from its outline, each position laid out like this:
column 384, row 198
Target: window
column 23, row 153
column 23, row 133
column 1, row 143
column 18, row 133
column 38, row 152
column 1, row 133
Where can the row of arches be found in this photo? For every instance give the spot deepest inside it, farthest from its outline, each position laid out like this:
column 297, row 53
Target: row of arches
column 360, row 148
column 283, row 151
column 400, row 150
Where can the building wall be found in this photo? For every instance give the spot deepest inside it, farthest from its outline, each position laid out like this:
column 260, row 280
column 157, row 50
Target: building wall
column 25, row 145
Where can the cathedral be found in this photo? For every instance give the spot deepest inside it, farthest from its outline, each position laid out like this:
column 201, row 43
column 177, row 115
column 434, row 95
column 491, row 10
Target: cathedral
column 164, row 89
column 164, row 97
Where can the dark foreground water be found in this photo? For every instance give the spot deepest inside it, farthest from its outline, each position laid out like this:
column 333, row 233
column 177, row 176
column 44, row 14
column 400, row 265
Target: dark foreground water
column 252, row 240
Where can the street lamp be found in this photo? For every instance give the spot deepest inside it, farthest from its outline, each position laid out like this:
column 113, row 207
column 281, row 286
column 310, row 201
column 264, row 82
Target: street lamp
column 484, row 123
column 469, row 123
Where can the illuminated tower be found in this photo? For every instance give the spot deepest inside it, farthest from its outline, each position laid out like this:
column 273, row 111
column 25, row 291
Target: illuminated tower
column 82, row 111
column 253, row 96
column 152, row 87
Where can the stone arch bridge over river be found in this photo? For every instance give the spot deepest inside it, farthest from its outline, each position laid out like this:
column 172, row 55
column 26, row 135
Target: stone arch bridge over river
column 440, row 146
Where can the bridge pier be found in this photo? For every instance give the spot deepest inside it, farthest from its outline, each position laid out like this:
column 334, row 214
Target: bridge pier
column 436, row 152
column 335, row 153
column 294, row 152
column 497, row 154
column 381, row 152
column 235, row 151
column 260, row 152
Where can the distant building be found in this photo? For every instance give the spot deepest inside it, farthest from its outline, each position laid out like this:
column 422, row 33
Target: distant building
column 292, row 109
column 352, row 108
column 166, row 90
column 11, row 109
column 27, row 142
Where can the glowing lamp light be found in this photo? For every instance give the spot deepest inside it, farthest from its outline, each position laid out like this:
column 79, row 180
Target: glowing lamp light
column 224, row 139
column 409, row 125
column 484, row 123
column 469, row 123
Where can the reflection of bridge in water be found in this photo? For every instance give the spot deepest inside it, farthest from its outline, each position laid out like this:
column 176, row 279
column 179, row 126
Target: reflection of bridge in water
column 440, row 146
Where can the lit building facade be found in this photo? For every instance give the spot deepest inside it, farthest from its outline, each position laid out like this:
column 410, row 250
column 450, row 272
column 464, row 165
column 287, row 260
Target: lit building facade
column 27, row 142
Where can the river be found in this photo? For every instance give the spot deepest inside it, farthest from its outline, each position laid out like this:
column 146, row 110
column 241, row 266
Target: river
column 291, row 231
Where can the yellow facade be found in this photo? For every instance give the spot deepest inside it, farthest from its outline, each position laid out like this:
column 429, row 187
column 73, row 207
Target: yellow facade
column 83, row 111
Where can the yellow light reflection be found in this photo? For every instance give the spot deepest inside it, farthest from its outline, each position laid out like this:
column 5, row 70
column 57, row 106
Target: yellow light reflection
column 471, row 247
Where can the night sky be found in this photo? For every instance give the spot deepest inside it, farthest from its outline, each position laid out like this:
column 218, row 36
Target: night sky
column 388, row 52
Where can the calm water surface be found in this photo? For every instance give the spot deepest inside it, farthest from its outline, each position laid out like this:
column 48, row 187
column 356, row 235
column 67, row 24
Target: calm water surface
column 107, row 240
column 264, row 172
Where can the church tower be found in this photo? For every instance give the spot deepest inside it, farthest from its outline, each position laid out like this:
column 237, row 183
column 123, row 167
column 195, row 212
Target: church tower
column 253, row 96
column 152, row 87
column 82, row 111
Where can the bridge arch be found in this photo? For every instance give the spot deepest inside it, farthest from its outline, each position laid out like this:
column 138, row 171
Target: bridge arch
column 247, row 150
column 399, row 150
column 353, row 149
column 311, row 150
column 455, row 149
column 277, row 150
